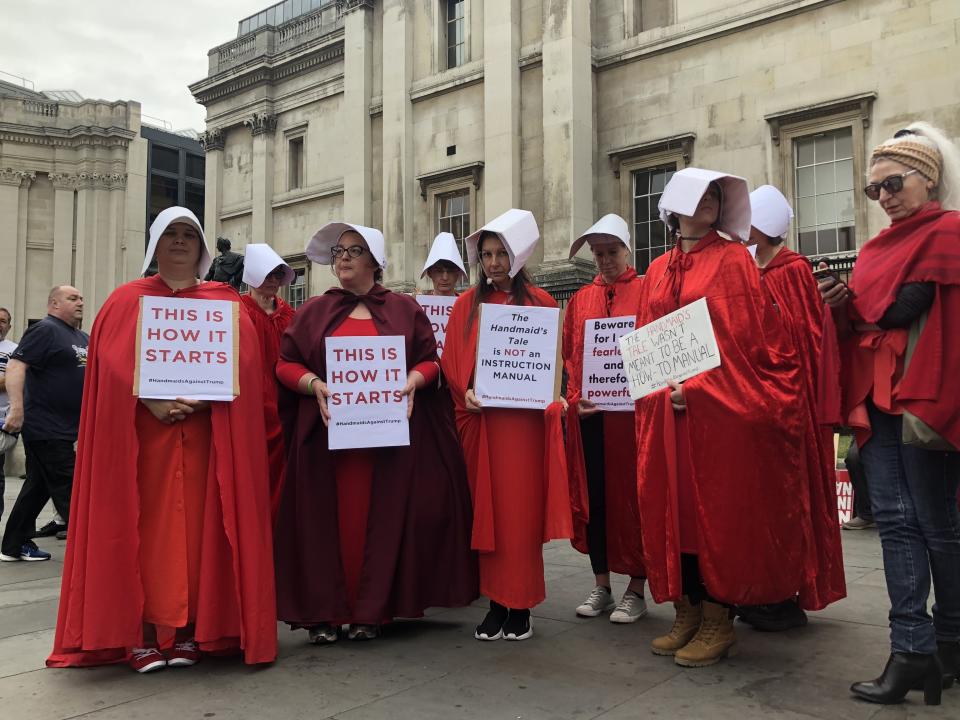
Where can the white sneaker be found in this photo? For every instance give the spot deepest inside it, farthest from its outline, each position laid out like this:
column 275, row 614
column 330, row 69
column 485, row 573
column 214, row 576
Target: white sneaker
column 599, row 601
column 631, row 608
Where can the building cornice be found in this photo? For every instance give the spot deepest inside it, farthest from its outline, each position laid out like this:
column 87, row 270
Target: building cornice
column 77, row 136
column 473, row 171
column 860, row 105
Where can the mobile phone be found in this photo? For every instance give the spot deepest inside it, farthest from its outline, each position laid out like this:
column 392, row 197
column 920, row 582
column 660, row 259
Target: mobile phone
column 823, row 273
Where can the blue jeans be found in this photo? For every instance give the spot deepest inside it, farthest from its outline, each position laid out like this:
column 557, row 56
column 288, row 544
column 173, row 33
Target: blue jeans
column 914, row 498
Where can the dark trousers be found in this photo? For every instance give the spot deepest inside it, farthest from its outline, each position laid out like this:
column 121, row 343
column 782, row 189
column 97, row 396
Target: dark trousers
column 858, row 478
column 3, row 482
column 49, row 476
column 591, row 431
column 914, row 497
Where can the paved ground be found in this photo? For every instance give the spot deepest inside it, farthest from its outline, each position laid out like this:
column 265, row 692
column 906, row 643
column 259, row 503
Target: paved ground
column 434, row 669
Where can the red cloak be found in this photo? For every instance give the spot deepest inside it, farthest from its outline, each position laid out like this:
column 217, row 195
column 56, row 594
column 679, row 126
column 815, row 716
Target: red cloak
column 924, row 247
column 269, row 330
column 517, row 449
column 789, row 281
column 101, row 599
column 624, row 549
column 745, row 425
column 417, row 552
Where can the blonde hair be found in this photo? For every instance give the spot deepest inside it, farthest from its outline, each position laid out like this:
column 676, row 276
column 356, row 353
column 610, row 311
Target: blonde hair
column 925, row 134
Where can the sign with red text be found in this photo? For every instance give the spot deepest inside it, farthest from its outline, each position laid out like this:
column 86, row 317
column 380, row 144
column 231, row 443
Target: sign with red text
column 678, row 346
column 187, row 348
column 437, row 308
column 844, row 497
column 604, row 381
column 365, row 376
column 517, row 359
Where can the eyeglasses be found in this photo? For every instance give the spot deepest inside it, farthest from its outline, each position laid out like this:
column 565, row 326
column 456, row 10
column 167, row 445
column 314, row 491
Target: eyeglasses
column 353, row 251
column 892, row 184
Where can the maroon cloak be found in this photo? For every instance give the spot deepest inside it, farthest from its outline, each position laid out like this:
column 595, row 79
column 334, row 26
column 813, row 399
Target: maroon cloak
column 418, row 533
column 745, row 424
column 788, row 280
column 102, row 597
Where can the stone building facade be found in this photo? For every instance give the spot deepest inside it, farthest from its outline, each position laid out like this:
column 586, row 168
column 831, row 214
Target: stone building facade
column 72, row 193
column 420, row 115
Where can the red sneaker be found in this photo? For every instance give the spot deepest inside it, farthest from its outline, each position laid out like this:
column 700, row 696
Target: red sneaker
column 183, row 654
column 145, row 660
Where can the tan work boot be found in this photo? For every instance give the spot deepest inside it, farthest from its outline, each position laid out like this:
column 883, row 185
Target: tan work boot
column 685, row 626
column 714, row 640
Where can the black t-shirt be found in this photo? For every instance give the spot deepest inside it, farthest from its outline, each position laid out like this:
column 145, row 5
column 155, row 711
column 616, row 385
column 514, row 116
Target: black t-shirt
column 57, row 356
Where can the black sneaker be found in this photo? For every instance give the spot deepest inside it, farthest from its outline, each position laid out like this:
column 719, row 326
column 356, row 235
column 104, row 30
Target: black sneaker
column 62, row 535
column 773, row 618
column 518, row 625
column 50, row 529
column 492, row 626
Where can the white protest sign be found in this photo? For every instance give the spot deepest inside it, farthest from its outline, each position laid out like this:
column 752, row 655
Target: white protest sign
column 517, row 365
column 187, row 348
column 844, row 496
column 365, row 376
column 678, row 346
column 437, row 308
column 604, row 381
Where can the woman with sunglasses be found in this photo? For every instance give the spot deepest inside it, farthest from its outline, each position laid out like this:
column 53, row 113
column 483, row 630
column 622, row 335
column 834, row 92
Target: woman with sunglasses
column 891, row 358
column 265, row 272
column 366, row 535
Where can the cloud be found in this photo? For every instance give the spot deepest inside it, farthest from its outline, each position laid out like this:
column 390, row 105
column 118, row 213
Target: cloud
column 148, row 52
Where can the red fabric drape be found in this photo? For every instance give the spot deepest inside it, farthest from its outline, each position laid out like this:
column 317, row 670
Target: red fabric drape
column 745, row 429
column 269, row 331
column 924, row 247
column 789, row 281
column 624, row 550
column 516, row 465
column 102, row 598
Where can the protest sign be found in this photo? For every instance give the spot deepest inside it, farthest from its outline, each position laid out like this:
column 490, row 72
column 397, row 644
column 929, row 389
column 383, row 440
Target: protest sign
column 517, row 356
column 365, row 376
column 187, row 348
column 604, row 381
column 437, row 308
column 844, row 496
column 678, row 346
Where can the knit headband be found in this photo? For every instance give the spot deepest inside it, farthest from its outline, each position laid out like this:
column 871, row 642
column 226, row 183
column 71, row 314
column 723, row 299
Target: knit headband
column 913, row 154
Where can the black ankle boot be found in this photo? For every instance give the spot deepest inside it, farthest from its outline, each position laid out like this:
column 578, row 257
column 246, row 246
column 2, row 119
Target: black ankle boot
column 949, row 656
column 902, row 672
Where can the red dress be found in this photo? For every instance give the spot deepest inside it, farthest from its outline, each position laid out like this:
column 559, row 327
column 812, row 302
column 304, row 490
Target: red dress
column 516, row 468
column 788, row 280
column 734, row 491
column 269, row 331
column 624, row 549
column 169, row 523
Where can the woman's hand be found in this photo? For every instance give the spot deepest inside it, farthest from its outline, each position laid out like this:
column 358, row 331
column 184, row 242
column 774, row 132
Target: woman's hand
column 472, row 403
column 586, row 408
column 321, row 392
column 564, row 405
column 415, row 381
column 676, row 396
column 834, row 292
column 171, row 411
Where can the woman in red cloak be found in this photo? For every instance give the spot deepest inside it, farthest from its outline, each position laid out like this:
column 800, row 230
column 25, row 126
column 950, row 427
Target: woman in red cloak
column 716, row 454
column 265, row 272
column 891, row 360
column 787, row 278
column 515, row 458
column 366, row 535
column 169, row 537
column 601, row 445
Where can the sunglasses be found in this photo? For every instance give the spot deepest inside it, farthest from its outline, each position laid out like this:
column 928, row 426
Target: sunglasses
column 353, row 251
column 892, row 184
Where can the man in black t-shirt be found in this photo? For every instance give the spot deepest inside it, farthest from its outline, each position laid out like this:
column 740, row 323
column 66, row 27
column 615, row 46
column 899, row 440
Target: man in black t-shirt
column 45, row 383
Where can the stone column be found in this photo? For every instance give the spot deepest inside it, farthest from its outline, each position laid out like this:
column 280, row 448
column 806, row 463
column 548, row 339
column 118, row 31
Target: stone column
column 213, row 141
column 10, row 249
column 262, row 127
column 357, row 90
column 567, row 127
column 86, row 238
column 64, row 187
column 501, row 107
column 398, row 181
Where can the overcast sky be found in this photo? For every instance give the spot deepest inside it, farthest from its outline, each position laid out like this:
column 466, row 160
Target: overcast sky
column 141, row 50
